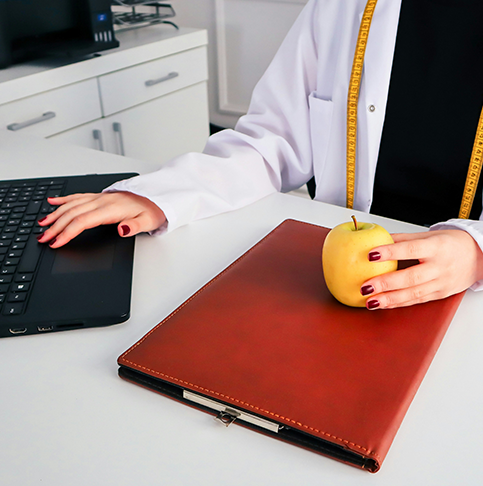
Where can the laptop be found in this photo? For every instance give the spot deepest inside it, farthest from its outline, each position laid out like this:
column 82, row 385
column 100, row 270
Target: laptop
column 86, row 283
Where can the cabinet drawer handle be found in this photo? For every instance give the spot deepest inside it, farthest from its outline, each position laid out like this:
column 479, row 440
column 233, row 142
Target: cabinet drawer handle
column 152, row 82
column 97, row 134
column 118, row 129
column 18, row 126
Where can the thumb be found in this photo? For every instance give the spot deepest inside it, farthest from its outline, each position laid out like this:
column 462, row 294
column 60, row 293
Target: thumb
column 143, row 222
column 131, row 227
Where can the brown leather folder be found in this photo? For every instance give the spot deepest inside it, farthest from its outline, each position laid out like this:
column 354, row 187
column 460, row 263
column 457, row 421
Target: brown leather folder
column 264, row 344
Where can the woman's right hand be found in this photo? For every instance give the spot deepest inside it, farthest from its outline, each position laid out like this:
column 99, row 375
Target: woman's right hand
column 78, row 212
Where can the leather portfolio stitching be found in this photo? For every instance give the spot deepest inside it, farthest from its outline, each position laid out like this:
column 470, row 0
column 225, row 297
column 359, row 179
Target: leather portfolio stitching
column 253, row 407
column 273, row 414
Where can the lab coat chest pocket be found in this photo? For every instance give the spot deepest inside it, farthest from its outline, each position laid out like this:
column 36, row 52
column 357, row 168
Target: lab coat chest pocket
column 320, row 128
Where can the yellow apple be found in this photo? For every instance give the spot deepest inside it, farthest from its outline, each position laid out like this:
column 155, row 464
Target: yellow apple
column 345, row 259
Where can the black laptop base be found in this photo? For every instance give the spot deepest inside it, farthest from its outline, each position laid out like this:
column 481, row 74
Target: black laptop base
column 86, row 283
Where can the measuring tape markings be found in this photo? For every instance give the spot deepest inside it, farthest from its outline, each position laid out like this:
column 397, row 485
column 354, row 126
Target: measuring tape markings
column 353, row 98
column 474, row 169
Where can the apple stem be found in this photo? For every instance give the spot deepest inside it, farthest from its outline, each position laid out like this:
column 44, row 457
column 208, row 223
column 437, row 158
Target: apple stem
column 355, row 222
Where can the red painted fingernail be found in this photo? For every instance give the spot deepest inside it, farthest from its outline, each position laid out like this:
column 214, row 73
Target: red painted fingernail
column 51, row 242
column 39, row 237
column 374, row 256
column 43, row 219
column 125, row 229
column 373, row 304
column 367, row 289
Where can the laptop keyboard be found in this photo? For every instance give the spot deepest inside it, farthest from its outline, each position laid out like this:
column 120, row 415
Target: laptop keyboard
column 22, row 204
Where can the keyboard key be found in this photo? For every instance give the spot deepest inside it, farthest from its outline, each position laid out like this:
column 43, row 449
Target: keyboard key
column 5, row 279
column 4, row 288
column 17, row 297
column 33, row 207
column 8, row 270
column 12, row 309
column 16, row 246
column 12, row 205
column 20, row 287
column 11, row 261
column 31, row 256
column 13, row 253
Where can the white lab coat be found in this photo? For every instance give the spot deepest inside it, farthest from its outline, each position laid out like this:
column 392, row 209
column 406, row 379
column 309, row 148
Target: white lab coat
column 296, row 124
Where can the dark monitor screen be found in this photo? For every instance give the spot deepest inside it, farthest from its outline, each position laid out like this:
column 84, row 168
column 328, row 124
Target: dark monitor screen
column 32, row 18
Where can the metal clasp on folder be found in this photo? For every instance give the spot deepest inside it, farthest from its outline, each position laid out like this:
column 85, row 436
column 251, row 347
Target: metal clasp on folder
column 227, row 415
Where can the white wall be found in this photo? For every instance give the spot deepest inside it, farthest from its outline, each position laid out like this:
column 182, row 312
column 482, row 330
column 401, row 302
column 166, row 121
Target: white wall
column 244, row 35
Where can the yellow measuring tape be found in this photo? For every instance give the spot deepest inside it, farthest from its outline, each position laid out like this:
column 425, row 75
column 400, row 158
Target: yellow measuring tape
column 474, row 169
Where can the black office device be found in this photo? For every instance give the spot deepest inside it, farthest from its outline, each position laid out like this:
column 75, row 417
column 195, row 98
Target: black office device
column 30, row 29
column 86, row 283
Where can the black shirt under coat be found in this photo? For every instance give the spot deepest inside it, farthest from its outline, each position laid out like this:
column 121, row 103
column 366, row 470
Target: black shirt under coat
column 434, row 104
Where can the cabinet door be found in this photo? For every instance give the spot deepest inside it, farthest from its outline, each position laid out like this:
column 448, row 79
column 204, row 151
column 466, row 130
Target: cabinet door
column 91, row 135
column 155, row 131
column 162, row 128
column 53, row 111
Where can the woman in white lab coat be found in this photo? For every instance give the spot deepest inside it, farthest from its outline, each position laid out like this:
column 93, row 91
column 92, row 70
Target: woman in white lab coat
column 295, row 129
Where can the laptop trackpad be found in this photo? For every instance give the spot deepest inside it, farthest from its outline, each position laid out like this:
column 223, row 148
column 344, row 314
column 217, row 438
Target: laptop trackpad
column 92, row 250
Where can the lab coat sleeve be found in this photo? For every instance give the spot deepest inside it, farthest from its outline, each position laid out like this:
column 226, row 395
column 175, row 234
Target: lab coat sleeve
column 269, row 150
column 473, row 228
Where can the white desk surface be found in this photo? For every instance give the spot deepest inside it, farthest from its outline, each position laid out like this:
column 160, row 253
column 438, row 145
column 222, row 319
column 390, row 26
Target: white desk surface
column 67, row 419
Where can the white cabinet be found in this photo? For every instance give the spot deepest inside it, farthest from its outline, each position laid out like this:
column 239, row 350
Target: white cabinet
column 53, row 111
column 170, row 127
column 146, row 99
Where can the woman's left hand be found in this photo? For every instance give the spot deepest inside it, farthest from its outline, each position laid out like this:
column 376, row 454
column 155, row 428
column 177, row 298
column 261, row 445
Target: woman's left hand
column 450, row 262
